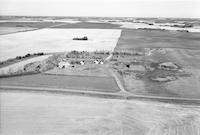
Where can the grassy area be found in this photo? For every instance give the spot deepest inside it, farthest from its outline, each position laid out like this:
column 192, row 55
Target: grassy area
column 57, row 40
column 36, row 113
column 131, row 39
column 144, row 75
column 101, row 84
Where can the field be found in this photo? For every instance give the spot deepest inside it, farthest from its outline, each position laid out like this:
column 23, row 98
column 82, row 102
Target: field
column 89, row 70
column 8, row 30
column 57, row 40
column 133, row 76
column 157, row 26
column 89, row 25
column 131, row 39
column 35, row 24
column 101, row 84
column 36, row 113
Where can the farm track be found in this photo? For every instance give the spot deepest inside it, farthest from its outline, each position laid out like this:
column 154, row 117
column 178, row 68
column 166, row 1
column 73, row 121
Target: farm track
column 120, row 85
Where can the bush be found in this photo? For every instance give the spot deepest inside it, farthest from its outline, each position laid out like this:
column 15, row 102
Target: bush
column 19, row 26
column 27, row 55
column 107, row 53
column 74, row 52
column 115, row 53
column 75, row 62
column 39, row 54
column 113, row 59
column 83, row 38
column 19, row 57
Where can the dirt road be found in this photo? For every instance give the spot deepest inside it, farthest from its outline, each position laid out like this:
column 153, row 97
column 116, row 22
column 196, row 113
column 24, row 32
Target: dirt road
column 117, row 95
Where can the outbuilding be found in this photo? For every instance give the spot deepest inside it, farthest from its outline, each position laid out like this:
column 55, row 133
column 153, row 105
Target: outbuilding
column 101, row 62
column 96, row 62
column 63, row 64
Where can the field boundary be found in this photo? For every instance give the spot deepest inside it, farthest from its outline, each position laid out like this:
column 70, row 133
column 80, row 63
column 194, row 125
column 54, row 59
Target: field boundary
column 34, row 29
column 43, row 73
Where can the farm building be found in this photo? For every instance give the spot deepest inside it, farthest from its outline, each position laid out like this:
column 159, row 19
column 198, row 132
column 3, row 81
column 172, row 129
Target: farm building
column 63, row 64
column 98, row 62
column 82, row 62
column 101, row 62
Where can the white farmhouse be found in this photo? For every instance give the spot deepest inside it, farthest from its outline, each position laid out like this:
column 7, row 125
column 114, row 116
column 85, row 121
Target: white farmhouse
column 82, row 63
column 63, row 64
column 101, row 62
column 96, row 62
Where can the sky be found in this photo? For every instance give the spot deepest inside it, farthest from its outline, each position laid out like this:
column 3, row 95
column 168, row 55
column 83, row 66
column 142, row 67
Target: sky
column 110, row 8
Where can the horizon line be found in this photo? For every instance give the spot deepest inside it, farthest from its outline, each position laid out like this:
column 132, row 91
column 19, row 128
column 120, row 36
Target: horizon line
column 99, row 16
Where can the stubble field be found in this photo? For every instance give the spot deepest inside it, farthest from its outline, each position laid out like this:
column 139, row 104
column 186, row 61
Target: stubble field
column 57, row 40
column 41, row 114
